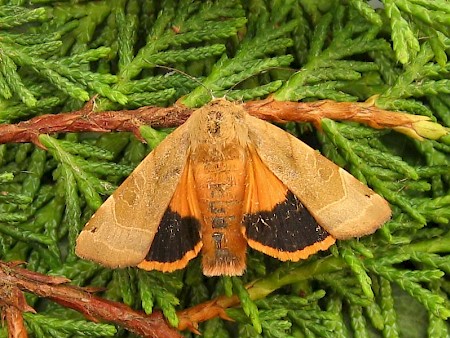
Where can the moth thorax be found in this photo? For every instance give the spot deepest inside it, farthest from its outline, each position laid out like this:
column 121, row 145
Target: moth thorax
column 218, row 130
column 218, row 153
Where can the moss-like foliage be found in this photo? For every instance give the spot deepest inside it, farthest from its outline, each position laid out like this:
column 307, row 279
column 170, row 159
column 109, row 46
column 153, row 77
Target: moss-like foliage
column 55, row 55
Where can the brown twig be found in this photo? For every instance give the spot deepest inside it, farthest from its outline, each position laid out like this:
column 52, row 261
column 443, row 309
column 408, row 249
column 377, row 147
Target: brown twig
column 415, row 126
column 13, row 304
column 189, row 318
column 14, row 319
column 85, row 120
column 362, row 112
column 15, row 280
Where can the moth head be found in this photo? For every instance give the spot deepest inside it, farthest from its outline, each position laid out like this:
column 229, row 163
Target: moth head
column 218, row 124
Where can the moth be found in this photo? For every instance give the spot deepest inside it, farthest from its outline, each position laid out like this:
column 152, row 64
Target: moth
column 222, row 181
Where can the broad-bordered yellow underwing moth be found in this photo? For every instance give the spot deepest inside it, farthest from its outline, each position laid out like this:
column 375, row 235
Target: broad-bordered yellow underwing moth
column 222, row 180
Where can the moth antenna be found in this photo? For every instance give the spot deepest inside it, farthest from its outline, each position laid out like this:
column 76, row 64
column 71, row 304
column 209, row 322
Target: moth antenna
column 262, row 72
column 193, row 78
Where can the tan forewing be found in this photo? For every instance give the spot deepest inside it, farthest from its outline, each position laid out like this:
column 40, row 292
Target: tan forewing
column 340, row 203
column 121, row 231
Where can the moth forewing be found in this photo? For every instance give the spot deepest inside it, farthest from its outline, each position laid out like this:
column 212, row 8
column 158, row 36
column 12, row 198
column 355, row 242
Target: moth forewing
column 340, row 203
column 361, row 212
column 121, row 231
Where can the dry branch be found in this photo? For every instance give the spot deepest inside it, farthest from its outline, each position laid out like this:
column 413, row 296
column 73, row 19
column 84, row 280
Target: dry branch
column 15, row 280
column 85, row 120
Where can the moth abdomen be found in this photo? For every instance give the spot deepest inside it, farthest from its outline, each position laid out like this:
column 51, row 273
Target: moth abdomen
column 220, row 192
